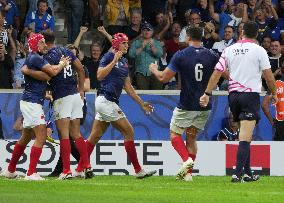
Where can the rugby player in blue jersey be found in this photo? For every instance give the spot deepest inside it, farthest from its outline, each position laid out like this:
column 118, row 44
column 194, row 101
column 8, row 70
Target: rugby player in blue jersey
column 113, row 73
column 31, row 106
column 68, row 102
column 195, row 65
column 68, row 105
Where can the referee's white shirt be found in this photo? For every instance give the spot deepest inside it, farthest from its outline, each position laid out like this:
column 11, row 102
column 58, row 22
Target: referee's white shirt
column 245, row 61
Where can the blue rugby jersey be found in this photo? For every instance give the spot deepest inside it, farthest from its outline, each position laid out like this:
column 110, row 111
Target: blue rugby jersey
column 46, row 22
column 65, row 82
column 112, row 84
column 195, row 65
column 34, row 89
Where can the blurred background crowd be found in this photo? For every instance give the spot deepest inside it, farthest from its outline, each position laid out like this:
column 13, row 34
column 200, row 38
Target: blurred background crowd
column 156, row 30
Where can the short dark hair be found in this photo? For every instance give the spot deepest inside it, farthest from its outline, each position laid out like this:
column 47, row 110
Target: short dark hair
column 228, row 26
column 194, row 33
column 41, row 1
column 250, row 29
column 48, row 36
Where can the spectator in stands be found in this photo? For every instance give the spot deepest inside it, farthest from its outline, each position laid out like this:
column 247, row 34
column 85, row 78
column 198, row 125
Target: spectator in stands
column 74, row 18
column 193, row 19
column 227, row 41
column 163, row 63
column 117, row 13
column 39, row 20
column 163, row 23
column 239, row 14
column 266, row 24
column 91, row 63
column 231, row 130
column 238, row 34
column 146, row 51
column 3, row 31
column 276, row 58
column 278, row 121
column 252, row 6
column 22, row 52
column 172, row 45
column 202, row 8
column 12, row 13
column 266, row 42
column 150, row 9
column 171, row 7
column 33, row 6
column 182, row 7
column 210, row 35
column 133, row 31
column 6, row 69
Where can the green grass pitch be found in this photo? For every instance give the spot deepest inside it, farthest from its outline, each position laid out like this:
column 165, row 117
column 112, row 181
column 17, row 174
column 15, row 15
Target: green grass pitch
column 116, row 189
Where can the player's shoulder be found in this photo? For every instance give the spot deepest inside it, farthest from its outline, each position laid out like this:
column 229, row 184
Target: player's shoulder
column 33, row 57
column 210, row 52
column 108, row 55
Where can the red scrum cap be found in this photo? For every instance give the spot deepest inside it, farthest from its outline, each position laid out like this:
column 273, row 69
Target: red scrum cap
column 33, row 41
column 117, row 39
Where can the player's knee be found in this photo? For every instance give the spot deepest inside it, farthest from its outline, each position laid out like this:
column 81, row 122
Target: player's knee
column 174, row 134
column 128, row 133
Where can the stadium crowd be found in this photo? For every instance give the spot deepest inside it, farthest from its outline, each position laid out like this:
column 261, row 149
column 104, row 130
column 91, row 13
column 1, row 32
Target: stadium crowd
column 156, row 30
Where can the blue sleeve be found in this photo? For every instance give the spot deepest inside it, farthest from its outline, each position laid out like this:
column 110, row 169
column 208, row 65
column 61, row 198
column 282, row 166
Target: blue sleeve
column 174, row 66
column 38, row 62
column 106, row 59
column 28, row 20
column 222, row 17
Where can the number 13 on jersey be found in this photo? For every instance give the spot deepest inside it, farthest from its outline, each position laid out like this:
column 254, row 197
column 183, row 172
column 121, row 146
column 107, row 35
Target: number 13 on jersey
column 68, row 71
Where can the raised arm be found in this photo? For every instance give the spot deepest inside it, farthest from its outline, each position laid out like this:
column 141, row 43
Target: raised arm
column 104, row 71
column 212, row 13
column 13, row 47
column 83, row 30
column 161, row 34
column 102, row 30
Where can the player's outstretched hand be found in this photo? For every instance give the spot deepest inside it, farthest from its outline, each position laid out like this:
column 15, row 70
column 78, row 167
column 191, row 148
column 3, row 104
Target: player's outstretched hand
column 147, row 108
column 153, row 66
column 204, row 100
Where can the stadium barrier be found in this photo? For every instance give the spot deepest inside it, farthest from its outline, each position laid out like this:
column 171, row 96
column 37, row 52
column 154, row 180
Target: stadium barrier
column 109, row 158
column 153, row 127
column 152, row 135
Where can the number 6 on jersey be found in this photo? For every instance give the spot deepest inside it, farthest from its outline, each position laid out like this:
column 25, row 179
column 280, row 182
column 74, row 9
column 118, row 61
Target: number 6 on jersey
column 198, row 72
